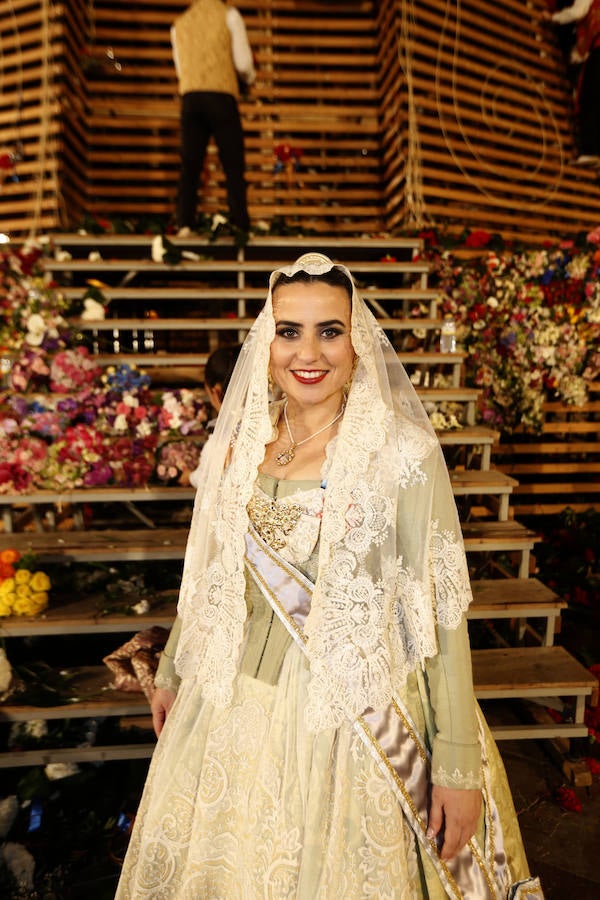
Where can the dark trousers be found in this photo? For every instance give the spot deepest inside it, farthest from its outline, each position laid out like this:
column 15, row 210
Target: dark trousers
column 589, row 106
column 205, row 114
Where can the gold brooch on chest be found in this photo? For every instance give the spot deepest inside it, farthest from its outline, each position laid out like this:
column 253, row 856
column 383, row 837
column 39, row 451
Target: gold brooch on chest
column 273, row 519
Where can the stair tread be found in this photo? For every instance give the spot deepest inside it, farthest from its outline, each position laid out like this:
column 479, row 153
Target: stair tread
column 514, row 594
column 529, row 669
column 484, row 479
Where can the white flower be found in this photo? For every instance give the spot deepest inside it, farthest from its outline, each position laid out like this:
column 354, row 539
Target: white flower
column 492, row 302
column 120, row 422
column 438, row 421
column 5, row 671
column 141, row 608
column 92, row 310
column 130, row 401
column 94, row 256
column 9, row 807
column 218, row 219
column 143, row 429
column 56, row 771
column 20, row 863
column 36, row 328
column 62, row 256
column 158, row 250
column 35, row 322
column 36, row 728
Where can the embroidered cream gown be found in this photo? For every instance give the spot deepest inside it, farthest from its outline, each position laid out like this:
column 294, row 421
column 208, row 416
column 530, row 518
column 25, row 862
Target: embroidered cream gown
column 244, row 803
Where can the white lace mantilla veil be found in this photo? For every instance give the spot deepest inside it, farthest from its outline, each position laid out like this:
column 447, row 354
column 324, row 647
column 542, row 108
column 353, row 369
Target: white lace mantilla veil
column 380, row 587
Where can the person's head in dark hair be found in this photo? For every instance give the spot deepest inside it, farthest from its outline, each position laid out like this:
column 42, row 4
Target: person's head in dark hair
column 217, row 373
column 334, row 277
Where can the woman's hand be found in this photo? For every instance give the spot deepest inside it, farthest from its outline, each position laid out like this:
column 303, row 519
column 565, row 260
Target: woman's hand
column 162, row 701
column 457, row 811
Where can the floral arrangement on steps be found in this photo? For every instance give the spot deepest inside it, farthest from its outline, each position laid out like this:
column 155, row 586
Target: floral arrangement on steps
column 528, row 318
column 67, row 423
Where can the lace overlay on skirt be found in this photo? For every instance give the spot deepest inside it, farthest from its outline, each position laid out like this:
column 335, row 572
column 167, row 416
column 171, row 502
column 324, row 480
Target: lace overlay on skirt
column 244, row 803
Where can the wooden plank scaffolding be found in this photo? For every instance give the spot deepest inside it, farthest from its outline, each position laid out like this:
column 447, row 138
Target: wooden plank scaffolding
column 398, row 114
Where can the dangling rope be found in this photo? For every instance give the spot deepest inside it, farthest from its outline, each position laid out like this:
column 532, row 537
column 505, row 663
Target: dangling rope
column 542, row 113
column 416, row 215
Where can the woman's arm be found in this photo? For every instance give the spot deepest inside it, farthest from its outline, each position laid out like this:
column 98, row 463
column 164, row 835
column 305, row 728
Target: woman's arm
column 455, row 803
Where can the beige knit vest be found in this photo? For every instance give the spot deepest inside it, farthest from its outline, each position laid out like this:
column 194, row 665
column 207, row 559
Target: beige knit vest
column 203, row 47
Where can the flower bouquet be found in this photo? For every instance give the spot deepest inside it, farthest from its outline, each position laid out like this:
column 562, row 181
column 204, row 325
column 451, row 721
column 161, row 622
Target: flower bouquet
column 23, row 590
column 176, row 460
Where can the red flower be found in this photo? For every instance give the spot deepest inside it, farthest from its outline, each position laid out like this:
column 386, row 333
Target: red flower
column 429, row 236
column 593, row 765
column 568, row 799
column 476, row 239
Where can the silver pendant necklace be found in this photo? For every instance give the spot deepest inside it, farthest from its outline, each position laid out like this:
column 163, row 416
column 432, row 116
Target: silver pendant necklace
column 287, row 455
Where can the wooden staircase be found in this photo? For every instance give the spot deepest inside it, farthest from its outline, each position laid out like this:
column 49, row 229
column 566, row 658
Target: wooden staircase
column 164, row 309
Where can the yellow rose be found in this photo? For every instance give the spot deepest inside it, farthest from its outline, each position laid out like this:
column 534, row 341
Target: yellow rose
column 22, row 576
column 23, row 591
column 6, row 604
column 38, row 602
column 7, row 587
column 21, row 606
column 40, row 582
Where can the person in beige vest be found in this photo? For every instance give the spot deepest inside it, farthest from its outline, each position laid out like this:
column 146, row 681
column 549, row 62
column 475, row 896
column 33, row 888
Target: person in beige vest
column 212, row 55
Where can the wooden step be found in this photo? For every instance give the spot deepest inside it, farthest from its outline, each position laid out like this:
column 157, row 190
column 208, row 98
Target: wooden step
column 492, row 537
column 218, row 265
column 480, row 482
column 19, row 758
column 517, row 598
column 92, row 697
column 534, row 672
column 84, row 615
column 472, row 436
column 226, row 323
column 100, row 546
column 465, row 395
column 101, row 495
column 72, row 240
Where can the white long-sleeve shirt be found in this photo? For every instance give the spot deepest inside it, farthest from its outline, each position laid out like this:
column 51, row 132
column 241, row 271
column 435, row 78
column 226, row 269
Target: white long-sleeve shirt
column 578, row 10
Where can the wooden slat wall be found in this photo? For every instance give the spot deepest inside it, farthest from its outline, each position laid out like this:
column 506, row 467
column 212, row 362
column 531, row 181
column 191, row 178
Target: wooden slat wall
column 316, row 89
column 407, row 113
column 31, row 43
column 493, row 112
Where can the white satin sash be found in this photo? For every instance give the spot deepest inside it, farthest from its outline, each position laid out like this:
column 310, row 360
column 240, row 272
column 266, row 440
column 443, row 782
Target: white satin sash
column 474, row 874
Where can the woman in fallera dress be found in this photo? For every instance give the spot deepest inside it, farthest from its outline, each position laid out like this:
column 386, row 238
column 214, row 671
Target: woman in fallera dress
column 319, row 736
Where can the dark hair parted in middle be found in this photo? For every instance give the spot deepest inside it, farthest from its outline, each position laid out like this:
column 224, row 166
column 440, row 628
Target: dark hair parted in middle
column 334, row 277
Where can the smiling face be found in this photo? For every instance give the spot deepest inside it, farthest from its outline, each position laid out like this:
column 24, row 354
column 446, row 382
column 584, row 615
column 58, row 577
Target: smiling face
column 312, row 354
